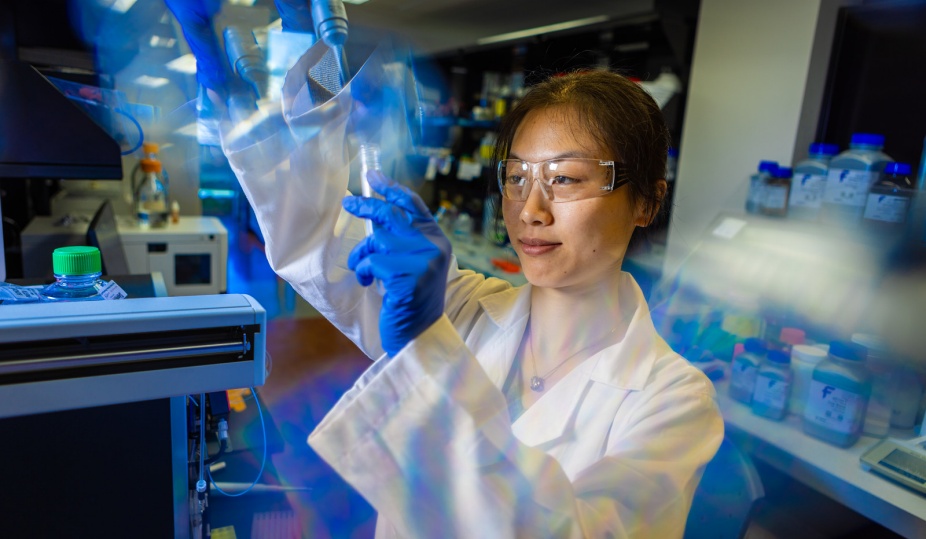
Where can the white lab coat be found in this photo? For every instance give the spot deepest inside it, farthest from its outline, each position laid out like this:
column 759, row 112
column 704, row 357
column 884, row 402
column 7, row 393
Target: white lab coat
column 614, row 449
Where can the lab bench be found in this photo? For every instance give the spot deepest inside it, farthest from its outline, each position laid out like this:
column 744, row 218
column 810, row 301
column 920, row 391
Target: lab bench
column 833, row 471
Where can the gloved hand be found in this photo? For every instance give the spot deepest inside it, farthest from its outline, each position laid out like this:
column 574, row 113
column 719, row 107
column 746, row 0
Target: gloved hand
column 408, row 253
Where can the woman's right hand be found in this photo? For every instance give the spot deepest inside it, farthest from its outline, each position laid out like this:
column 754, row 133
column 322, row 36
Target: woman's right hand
column 408, row 253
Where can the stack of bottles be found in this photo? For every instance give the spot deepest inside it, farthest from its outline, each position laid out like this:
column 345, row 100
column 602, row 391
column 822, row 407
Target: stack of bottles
column 859, row 186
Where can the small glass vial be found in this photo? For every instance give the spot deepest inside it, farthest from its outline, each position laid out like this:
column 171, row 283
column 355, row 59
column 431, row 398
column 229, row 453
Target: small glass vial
column 776, row 189
column 369, row 161
column 744, row 369
column 838, row 397
column 77, row 275
column 773, row 386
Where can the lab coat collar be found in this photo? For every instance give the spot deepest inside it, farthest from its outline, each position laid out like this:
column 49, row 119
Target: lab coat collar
column 625, row 365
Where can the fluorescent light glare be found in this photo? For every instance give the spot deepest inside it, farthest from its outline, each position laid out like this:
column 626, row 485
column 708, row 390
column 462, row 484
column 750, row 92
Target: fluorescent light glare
column 355, row 2
column 161, row 41
column 151, row 82
column 184, row 64
column 121, row 6
column 550, row 28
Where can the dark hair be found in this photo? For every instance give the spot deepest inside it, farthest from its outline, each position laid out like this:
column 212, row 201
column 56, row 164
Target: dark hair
column 615, row 111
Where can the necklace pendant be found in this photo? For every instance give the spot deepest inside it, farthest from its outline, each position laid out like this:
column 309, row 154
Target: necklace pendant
column 536, row 383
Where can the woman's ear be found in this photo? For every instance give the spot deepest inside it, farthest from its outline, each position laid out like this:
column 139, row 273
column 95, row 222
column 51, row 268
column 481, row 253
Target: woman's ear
column 647, row 211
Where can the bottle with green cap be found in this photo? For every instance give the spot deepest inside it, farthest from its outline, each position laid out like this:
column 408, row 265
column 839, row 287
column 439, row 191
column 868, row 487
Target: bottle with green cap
column 77, row 276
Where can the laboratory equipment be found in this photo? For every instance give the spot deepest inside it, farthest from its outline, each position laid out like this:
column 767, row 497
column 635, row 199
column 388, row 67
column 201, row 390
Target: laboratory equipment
column 903, row 461
column 756, row 182
column 775, row 190
column 63, row 356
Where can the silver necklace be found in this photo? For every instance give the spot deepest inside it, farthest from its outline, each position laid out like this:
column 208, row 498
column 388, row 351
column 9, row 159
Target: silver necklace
column 537, row 381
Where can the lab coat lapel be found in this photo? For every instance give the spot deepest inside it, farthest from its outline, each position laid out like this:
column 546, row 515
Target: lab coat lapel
column 508, row 311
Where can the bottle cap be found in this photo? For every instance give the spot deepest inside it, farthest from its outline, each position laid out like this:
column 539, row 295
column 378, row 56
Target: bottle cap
column 792, row 336
column 848, row 350
column 673, row 152
column 822, row 148
column 807, row 354
column 900, row 169
column 150, row 147
column 151, row 165
column 777, row 356
column 868, row 139
column 754, row 345
column 76, row 260
column 781, row 172
column 767, row 166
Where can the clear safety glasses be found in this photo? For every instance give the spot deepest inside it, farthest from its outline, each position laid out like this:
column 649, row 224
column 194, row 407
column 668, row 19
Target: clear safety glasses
column 561, row 180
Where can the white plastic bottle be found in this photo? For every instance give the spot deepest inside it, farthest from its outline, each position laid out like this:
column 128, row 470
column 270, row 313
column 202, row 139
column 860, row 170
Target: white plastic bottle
column 809, row 182
column 850, row 177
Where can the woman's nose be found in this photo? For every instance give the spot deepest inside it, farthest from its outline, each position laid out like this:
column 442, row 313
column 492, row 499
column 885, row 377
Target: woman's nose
column 536, row 208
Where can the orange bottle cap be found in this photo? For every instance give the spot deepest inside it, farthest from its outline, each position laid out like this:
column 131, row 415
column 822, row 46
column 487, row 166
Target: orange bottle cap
column 151, row 165
column 150, row 147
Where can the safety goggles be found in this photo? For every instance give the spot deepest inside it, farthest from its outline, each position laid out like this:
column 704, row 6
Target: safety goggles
column 561, row 180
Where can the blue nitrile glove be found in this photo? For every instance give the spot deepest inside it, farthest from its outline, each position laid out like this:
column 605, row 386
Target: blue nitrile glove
column 195, row 18
column 408, row 253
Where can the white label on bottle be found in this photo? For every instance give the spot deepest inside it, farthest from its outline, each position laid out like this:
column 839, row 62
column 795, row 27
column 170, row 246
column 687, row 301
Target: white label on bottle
column 19, row 294
column 729, row 228
column 807, row 190
column 887, row 208
column 833, row 408
column 112, row 291
column 776, row 197
column 771, row 392
column 848, row 187
column 743, row 377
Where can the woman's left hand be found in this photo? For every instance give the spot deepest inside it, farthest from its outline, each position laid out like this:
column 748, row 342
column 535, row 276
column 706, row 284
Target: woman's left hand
column 408, row 253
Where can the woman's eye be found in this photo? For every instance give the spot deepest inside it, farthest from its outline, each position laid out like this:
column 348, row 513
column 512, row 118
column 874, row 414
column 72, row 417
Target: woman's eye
column 565, row 180
column 514, row 180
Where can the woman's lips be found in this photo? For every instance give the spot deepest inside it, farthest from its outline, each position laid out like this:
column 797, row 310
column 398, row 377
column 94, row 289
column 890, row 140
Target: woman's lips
column 535, row 247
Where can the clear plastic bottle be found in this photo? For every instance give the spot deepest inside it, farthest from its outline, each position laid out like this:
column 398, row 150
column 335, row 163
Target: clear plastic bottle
column 744, row 369
column 77, row 275
column 151, row 205
column 369, row 161
column 773, row 386
column 889, row 200
column 809, row 182
column 838, row 397
column 775, row 191
column 851, row 175
column 756, row 181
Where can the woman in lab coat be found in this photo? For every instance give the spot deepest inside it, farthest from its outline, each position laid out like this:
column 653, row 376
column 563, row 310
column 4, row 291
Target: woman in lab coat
column 548, row 410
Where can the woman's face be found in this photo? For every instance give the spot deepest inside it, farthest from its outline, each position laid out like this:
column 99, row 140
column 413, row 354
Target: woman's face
column 567, row 244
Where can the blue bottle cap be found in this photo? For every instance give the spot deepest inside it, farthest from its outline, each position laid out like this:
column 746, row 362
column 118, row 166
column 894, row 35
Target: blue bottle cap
column 781, row 172
column 754, row 345
column 767, row 166
column 868, row 139
column 898, row 169
column 822, row 148
column 777, row 356
column 848, row 350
